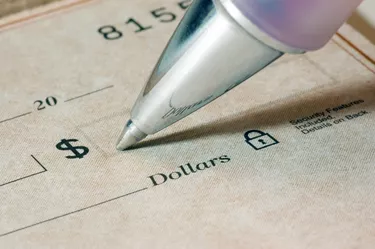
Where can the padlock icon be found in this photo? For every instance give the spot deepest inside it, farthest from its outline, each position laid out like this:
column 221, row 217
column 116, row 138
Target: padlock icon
column 259, row 139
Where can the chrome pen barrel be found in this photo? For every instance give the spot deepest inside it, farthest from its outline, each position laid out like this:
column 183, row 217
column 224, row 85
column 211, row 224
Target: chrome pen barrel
column 209, row 54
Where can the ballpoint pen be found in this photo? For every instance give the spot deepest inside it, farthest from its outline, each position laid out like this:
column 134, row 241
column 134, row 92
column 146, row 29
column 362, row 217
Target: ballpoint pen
column 221, row 43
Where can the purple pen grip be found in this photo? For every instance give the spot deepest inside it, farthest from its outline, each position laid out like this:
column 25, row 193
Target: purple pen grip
column 302, row 24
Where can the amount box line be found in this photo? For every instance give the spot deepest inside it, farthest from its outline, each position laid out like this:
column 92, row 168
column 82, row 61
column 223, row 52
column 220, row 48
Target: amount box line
column 73, row 212
column 87, row 94
column 19, row 116
column 22, row 178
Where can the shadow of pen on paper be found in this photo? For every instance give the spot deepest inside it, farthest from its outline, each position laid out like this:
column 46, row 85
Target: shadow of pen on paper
column 275, row 113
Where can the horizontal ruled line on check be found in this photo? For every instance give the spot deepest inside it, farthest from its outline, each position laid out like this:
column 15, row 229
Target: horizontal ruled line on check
column 19, row 116
column 89, row 93
column 73, row 212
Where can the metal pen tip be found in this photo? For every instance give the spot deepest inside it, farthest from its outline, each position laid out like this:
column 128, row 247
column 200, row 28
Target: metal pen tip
column 129, row 136
column 126, row 140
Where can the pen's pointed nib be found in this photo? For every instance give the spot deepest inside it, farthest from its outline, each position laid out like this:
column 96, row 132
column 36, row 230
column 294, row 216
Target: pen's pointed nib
column 129, row 136
column 125, row 140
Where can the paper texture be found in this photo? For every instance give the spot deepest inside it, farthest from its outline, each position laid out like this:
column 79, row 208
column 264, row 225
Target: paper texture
column 14, row 6
column 66, row 91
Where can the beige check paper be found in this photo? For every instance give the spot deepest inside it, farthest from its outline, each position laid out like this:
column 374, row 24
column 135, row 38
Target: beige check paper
column 285, row 160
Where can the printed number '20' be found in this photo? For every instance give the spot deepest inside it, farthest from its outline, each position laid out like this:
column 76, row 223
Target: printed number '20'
column 49, row 101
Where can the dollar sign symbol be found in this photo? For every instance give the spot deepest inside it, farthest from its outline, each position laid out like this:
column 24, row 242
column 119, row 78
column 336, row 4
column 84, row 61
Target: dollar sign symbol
column 79, row 151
